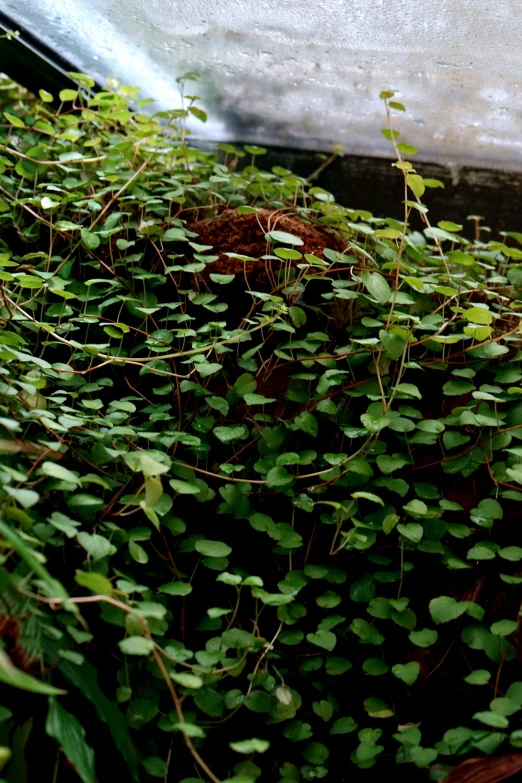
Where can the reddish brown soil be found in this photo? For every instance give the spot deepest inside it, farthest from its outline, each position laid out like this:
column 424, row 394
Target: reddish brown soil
column 245, row 235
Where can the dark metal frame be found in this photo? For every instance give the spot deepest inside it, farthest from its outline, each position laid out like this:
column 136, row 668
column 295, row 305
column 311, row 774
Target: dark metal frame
column 30, row 62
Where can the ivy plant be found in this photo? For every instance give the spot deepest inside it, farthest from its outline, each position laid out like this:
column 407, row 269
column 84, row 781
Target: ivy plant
column 258, row 513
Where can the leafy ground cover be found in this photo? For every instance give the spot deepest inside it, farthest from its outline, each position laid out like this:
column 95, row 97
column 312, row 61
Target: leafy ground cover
column 260, row 464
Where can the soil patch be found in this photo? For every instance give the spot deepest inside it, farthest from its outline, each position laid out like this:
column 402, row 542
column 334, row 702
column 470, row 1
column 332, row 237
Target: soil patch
column 229, row 232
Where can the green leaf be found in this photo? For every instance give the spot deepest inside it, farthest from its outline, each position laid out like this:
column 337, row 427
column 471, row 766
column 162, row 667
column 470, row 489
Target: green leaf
column 426, row 637
column 448, row 225
column 407, row 672
column 17, row 678
column 343, row 726
column 136, row 645
column 457, row 388
column 96, row 583
column 248, row 746
column 176, row 588
column 487, row 510
column 504, row 627
column 416, row 507
column 291, row 637
column 328, row 600
column 278, row 477
column 53, row 588
column 493, row 719
column 323, row 709
column 68, row 95
column 512, row 553
column 230, row 434
column 155, row 767
column 258, row 701
column 416, row 184
column 515, row 738
column 376, row 708
column 210, row 702
column 478, row 677
column 377, row 286
column 412, row 531
column 97, row 546
column 283, row 237
column 84, row 678
column 258, row 399
column 433, row 183
column 336, row 665
column 219, row 404
column 140, row 461
column 212, row 548
column 407, row 149
column 70, row 735
column 90, row 240
column 375, row 667
column 407, row 390
column 245, row 384
column 27, row 498
column 367, row 633
column 423, row 757
column 452, row 439
column 186, row 680
column 478, row 315
column 297, row 731
column 297, row 315
column 12, row 119
column 363, row 590
column 444, row 609
column 368, row 496
column 184, row 487
column 307, row 423
column 325, row 639
column 45, row 96
column 316, row 753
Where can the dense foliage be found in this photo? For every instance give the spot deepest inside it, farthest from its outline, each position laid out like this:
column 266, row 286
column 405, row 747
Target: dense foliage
column 258, row 525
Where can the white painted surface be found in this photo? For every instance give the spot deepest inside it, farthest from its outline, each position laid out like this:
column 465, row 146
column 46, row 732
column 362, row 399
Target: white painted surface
column 308, row 73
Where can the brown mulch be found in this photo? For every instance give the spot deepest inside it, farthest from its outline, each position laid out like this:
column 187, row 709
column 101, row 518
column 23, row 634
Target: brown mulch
column 487, row 770
column 245, row 235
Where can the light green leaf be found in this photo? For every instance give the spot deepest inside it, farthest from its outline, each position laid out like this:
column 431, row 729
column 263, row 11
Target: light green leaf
column 426, row 637
column 416, row 184
column 325, row 639
column 343, row 726
column 17, row 678
column 407, row 672
column 90, row 240
column 54, row 470
column 257, row 399
column 278, row 477
column 284, row 237
column 186, row 680
column 95, row 582
column 212, row 548
column 493, row 719
column 184, row 488
column 377, row 286
column 248, row 746
column 478, row 677
column 136, row 645
column 12, row 119
column 97, row 546
column 368, row 496
column 176, row 588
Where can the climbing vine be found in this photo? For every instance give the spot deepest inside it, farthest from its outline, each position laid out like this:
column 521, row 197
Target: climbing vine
column 260, row 462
